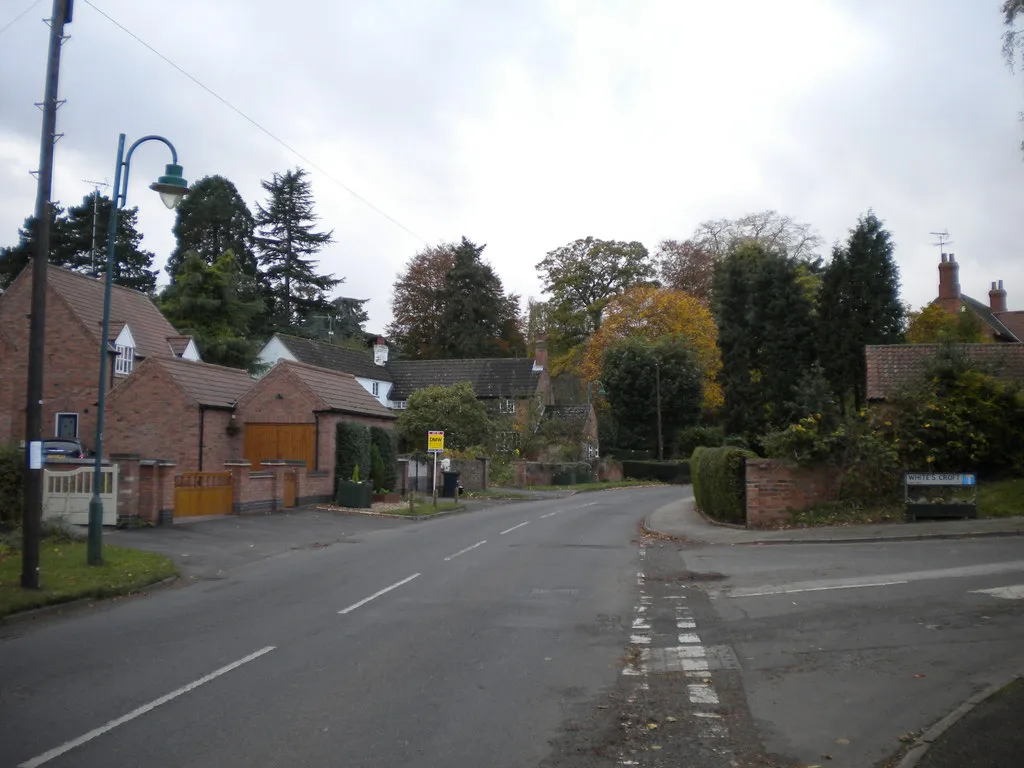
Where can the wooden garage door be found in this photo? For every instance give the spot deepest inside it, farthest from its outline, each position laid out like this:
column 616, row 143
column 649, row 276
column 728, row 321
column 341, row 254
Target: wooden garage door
column 293, row 442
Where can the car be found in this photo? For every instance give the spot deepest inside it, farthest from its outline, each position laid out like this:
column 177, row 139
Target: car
column 64, row 449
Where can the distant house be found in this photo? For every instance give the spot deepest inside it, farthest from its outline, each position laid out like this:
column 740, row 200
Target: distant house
column 580, row 422
column 892, row 367
column 502, row 383
column 74, row 315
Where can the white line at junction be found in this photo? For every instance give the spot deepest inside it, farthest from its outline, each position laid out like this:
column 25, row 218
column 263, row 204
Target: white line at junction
column 378, row 593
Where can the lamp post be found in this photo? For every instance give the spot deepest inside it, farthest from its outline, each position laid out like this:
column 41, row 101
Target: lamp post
column 171, row 187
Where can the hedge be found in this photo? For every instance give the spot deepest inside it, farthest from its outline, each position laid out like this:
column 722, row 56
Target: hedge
column 387, row 443
column 719, row 482
column 12, row 462
column 352, row 449
column 677, row 472
column 571, row 474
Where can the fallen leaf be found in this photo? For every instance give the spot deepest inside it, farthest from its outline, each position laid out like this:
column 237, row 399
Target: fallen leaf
column 670, row 719
column 918, row 675
column 842, row 741
column 651, row 726
column 655, row 747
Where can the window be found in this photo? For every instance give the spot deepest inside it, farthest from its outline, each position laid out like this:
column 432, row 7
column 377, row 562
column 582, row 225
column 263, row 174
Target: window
column 376, row 389
column 125, row 359
column 67, row 426
column 507, row 405
column 399, row 405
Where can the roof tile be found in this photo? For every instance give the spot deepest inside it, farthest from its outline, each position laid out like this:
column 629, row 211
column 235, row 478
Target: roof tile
column 335, row 358
column 892, row 367
column 489, row 377
column 338, row 391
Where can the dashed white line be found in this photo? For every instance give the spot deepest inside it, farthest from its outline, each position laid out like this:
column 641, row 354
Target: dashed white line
column 702, row 693
column 509, row 530
column 377, row 594
column 96, row 732
column 551, row 514
column 464, row 551
column 744, row 593
column 689, row 637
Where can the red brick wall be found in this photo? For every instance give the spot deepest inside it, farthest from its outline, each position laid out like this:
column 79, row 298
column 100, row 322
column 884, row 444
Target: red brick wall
column 278, row 398
column 218, row 444
column 71, row 366
column 774, row 488
column 610, row 470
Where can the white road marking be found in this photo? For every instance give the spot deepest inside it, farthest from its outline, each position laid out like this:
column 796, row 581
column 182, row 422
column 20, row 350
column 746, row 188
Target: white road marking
column 671, row 660
column 686, row 624
column 551, row 514
column 1015, row 592
column 814, row 589
column 702, row 693
column 96, row 732
column 377, row 594
column 640, row 578
column 641, row 624
column 509, row 530
column 464, row 551
column 689, row 637
column 640, row 639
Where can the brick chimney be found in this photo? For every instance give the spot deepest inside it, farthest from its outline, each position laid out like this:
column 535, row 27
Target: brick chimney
column 380, row 351
column 997, row 297
column 540, row 354
column 949, row 283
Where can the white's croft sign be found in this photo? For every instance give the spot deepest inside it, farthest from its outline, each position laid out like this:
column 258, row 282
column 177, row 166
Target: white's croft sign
column 938, row 478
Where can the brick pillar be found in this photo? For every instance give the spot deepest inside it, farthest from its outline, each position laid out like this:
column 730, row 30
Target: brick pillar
column 127, row 486
column 485, row 473
column 239, row 470
column 277, row 469
column 165, row 492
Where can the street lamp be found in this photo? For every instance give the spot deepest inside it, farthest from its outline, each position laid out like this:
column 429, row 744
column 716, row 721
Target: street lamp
column 171, row 187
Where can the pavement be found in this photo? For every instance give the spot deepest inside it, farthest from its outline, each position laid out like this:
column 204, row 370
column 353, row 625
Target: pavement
column 680, row 519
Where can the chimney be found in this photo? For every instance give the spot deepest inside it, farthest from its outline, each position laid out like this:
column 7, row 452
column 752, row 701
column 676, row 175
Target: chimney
column 949, row 283
column 380, row 351
column 540, row 354
column 997, row 297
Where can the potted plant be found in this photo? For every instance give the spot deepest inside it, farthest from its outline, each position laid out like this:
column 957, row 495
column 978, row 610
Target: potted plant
column 353, row 493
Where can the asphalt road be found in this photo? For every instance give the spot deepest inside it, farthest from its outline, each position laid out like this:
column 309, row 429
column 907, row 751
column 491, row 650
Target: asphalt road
column 844, row 649
column 463, row 641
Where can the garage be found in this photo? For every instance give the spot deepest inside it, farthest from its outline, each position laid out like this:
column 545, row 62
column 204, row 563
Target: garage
column 280, row 442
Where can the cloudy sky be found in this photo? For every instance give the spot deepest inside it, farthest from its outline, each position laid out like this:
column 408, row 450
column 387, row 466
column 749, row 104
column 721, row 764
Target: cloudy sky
column 525, row 124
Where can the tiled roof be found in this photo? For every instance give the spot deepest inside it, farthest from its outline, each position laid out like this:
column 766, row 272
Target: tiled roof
column 1014, row 320
column 335, row 358
column 178, row 344
column 211, row 385
column 338, row 391
column 490, row 377
column 983, row 311
column 84, row 295
column 892, row 367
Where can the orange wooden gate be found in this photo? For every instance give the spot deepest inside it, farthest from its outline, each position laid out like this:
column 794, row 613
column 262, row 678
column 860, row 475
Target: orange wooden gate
column 266, row 442
column 289, row 488
column 202, row 493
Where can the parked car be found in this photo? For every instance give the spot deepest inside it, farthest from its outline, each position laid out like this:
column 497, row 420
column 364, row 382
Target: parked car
column 65, row 449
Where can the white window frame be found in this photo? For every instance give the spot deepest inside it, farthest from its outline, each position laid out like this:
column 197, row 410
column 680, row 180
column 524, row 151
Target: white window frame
column 507, row 405
column 376, row 388
column 56, row 424
column 125, row 360
column 399, row 405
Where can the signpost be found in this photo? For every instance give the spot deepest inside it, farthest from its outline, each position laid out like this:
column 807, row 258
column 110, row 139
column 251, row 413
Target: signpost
column 925, row 503
column 435, row 445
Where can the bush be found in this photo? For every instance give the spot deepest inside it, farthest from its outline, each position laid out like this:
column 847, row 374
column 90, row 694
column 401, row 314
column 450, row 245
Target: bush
column 352, row 450
column 572, row 473
column 697, row 437
column 386, row 442
column 719, row 482
column 12, row 461
column 677, row 472
column 376, row 469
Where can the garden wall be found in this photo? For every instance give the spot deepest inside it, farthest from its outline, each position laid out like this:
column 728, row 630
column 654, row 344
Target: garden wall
column 775, row 488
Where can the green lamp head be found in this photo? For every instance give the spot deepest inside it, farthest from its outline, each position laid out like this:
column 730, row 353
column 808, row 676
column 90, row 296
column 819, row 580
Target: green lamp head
column 171, row 186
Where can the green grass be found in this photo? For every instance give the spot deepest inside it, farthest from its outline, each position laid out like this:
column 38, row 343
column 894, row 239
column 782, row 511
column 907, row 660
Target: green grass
column 602, row 486
column 64, row 575
column 1003, row 498
column 425, row 507
column 495, row 493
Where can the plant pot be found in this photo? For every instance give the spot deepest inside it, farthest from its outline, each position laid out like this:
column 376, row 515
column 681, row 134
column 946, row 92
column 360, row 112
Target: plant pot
column 386, row 498
column 353, row 495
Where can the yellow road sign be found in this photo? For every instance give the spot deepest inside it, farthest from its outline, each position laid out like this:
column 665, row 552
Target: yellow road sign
column 435, row 441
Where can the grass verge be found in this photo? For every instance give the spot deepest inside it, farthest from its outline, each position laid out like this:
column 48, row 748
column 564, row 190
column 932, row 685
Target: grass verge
column 604, row 486
column 64, row 575
column 496, row 493
column 424, row 508
column 1003, row 498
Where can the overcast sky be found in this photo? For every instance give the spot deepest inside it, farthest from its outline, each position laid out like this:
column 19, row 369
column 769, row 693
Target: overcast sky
column 525, row 124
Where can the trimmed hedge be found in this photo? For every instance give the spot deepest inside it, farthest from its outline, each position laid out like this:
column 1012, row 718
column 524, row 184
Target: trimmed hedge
column 676, row 472
column 12, row 462
column 571, row 474
column 719, row 482
column 351, row 450
column 386, row 442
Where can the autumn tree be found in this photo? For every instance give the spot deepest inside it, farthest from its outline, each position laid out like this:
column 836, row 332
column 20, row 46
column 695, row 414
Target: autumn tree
column 686, row 266
column 934, row 325
column 416, row 302
column 858, row 305
column 633, row 372
column 647, row 312
column 455, row 410
column 287, row 241
column 213, row 219
column 582, row 277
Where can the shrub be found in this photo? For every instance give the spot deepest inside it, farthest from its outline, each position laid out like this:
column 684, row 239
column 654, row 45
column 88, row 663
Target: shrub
column 719, row 482
column 352, row 450
column 386, row 442
column 697, row 437
column 572, row 473
column 502, row 472
column 376, row 469
column 677, row 472
column 11, row 468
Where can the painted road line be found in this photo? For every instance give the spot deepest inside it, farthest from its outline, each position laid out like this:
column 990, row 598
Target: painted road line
column 689, row 637
column 514, row 527
column 551, row 514
column 377, row 594
column 740, row 593
column 702, row 693
column 68, row 746
column 1015, row 592
column 464, row 551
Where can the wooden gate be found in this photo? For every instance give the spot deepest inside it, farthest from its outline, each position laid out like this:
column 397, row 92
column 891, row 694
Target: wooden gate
column 289, row 442
column 67, row 495
column 202, row 493
column 289, row 488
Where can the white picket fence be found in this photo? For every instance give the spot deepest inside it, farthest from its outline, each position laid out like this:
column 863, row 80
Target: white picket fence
column 66, row 495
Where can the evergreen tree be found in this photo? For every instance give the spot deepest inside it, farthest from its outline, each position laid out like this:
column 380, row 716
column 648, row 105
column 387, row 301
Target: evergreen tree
column 477, row 318
column 213, row 219
column 858, row 305
column 78, row 241
column 205, row 301
column 287, row 239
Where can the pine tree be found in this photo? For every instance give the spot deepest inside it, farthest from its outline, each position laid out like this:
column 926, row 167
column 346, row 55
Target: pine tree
column 211, row 220
column 858, row 305
column 286, row 241
column 477, row 318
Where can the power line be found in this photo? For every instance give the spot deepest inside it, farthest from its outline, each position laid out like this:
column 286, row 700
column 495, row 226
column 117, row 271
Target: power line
column 17, row 18
column 255, row 124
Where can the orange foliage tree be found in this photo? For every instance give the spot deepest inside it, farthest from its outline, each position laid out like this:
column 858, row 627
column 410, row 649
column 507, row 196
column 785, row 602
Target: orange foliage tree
column 647, row 312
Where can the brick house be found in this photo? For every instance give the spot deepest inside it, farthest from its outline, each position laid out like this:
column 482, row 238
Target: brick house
column 502, row 383
column 998, row 323
column 74, row 314
column 581, row 423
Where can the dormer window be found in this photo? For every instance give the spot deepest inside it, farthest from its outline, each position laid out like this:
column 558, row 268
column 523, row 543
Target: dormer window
column 125, row 359
column 507, row 405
